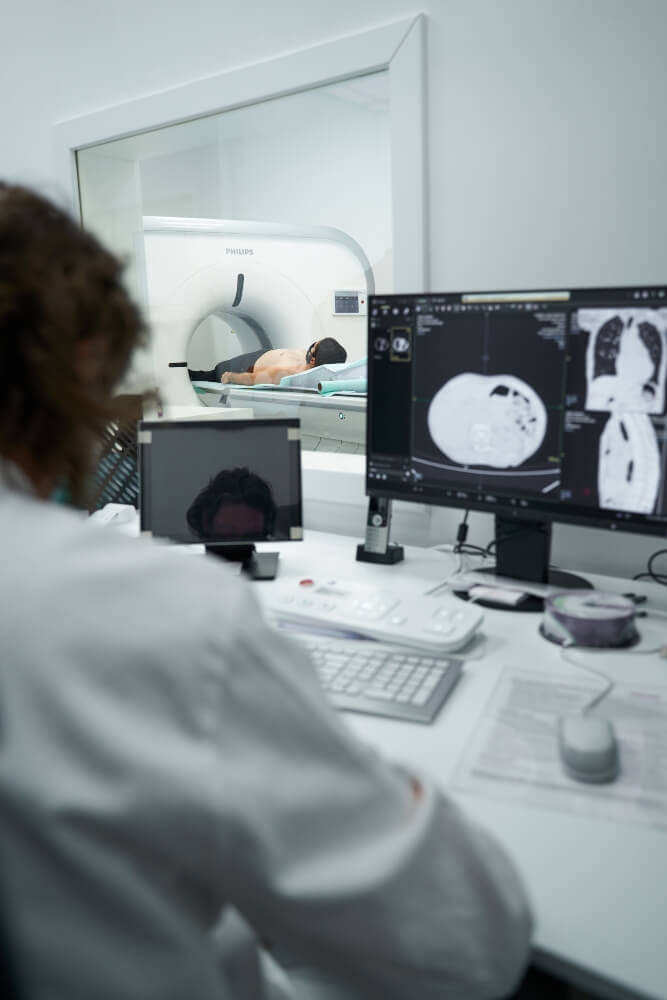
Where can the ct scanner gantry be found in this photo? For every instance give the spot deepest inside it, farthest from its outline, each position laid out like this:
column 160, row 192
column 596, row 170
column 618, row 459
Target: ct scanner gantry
column 290, row 285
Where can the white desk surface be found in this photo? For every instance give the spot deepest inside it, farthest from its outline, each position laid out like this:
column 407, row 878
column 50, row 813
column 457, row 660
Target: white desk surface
column 599, row 890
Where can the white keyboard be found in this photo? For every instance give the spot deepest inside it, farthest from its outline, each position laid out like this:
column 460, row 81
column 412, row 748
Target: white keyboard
column 433, row 625
column 359, row 675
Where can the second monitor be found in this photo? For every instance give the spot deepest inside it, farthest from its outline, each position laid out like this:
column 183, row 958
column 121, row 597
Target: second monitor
column 227, row 484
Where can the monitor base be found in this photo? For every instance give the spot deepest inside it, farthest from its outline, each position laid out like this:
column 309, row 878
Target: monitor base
column 522, row 549
column 256, row 565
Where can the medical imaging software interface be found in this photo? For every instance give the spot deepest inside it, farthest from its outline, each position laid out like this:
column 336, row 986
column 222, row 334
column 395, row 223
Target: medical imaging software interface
column 552, row 401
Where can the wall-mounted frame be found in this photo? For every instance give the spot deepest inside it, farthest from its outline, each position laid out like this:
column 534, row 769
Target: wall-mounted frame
column 397, row 47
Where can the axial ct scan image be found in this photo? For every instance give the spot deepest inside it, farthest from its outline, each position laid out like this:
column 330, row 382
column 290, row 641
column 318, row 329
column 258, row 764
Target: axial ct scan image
column 493, row 420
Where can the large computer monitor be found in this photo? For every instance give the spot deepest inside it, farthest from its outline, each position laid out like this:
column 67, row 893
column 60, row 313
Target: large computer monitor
column 535, row 406
column 226, row 484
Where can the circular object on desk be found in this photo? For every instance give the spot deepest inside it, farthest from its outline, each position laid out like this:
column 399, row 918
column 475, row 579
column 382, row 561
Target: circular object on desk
column 589, row 618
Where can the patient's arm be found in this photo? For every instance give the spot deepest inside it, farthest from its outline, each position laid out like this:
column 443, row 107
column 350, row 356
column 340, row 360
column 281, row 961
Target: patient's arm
column 271, row 376
column 238, row 378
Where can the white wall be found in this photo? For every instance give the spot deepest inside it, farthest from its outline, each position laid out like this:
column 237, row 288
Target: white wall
column 329, row 166
column 113, row 201
column 546, row 125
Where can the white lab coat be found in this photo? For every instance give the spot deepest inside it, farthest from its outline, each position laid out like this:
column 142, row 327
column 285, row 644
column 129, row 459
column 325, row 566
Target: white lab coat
column 174, row 789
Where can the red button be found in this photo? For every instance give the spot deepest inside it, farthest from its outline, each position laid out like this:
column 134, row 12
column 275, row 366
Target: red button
column 306, row 583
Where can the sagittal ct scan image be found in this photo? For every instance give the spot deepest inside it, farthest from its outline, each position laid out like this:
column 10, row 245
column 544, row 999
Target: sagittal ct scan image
column 629, row 464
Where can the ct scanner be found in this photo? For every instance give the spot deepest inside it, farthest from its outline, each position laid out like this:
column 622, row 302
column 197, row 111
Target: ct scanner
column 275, row 285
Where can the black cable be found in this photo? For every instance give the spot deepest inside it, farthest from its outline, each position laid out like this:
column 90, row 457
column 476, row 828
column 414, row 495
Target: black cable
column 462, row 547
column 650, row 572
column 471, row 550
column 651, row 562
column 461, row 533
column 660, row 578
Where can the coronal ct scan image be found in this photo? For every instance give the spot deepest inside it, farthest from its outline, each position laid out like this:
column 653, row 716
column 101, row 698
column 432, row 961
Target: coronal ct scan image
column 492, row 420
column 625, row 365
column 626, row 360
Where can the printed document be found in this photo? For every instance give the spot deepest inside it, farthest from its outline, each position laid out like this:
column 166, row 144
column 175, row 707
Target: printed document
column 513, row 752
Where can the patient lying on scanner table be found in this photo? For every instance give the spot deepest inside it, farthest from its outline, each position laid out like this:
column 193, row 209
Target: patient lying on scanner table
column 268, row 367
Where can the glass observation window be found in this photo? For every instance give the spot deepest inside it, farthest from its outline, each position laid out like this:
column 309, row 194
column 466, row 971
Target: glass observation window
column 317, row 158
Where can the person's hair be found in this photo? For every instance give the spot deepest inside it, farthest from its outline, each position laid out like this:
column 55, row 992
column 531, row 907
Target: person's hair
column 238, row 485
column 329, row 352
column 58, row 287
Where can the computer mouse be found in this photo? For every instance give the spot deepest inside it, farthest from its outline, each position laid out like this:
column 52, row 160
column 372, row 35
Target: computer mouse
column 588, row 748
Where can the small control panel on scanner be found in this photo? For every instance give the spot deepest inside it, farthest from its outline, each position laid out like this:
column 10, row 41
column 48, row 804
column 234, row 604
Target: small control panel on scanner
column 432, row 624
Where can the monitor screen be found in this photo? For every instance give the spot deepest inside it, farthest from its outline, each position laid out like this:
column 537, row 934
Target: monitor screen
column 220, row 482
column 536, row 405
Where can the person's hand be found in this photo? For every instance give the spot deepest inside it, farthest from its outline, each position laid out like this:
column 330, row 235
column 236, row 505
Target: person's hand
column 238, row 378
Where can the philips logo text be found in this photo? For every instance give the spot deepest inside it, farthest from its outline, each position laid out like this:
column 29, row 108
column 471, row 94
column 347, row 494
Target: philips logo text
column 238, row 250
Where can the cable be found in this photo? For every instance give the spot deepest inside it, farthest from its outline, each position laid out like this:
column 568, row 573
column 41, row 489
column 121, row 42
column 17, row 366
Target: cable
column 448, row 550
column 610, row 684
column 440, row 588
column 473, row 550
column 461, row 547
column 661, row 579
column 650, row 573
column 601, row 695
column 651, row 561
column 462, row 532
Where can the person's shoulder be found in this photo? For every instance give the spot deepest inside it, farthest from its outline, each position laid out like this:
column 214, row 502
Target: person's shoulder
column 172, row 572
column 57, row 552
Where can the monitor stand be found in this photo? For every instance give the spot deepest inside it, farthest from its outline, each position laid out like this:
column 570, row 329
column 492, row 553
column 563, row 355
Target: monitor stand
column 256, row 565
column 522, row 553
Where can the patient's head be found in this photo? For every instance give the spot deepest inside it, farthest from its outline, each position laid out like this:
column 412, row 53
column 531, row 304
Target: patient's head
column 67, row 331
column 326, row 352
column 235, row 504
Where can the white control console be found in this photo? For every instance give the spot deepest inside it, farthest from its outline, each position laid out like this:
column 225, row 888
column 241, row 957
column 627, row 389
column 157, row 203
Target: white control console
column 431, row 624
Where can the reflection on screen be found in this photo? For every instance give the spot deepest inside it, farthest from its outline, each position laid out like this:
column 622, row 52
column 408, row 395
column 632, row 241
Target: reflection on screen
column 236, row 503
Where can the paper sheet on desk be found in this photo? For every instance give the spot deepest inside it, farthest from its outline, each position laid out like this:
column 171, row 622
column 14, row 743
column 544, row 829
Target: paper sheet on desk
column 513, row 751
column 334, row 633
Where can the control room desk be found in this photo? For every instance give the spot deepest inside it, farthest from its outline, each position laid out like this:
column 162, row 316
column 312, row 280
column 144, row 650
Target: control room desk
column 599, row 890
